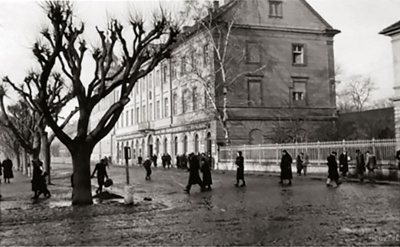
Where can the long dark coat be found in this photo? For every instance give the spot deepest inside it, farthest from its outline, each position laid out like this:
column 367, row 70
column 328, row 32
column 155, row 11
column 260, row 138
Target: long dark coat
column 286, row 167
column 343, row 162
column 1, row 169
column 38, row 180
column 332, row 168
column 360, row 163
column 194, row 177
column 240, row 167
column 7, row 171
column 101, row 173
column 206, row 170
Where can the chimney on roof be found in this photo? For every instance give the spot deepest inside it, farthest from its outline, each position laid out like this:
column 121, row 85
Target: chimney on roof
column 216, row 5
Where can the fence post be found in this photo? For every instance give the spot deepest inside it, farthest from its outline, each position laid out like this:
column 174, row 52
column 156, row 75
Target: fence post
column 259, row 154
column 344, row 145
column 373, row 146
column 277, row 153
column 318, row 153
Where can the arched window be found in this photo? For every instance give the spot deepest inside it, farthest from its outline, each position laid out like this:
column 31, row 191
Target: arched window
column 176, row 146
column 185, row 145
column 256, row 136
column 175, row 104
column 196, row 143
column 166, row 145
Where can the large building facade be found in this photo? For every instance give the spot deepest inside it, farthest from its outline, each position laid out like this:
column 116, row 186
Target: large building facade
column 279, row 66
column 393, row 31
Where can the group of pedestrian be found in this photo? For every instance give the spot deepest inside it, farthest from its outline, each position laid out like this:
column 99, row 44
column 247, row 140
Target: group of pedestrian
column 302, row 161
column 199, row 163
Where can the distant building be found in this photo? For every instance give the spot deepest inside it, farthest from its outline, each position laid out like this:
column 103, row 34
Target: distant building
column 168, row 111
column 393, row 31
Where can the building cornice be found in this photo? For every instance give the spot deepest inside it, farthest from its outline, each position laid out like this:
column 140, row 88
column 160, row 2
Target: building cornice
column 328, row 32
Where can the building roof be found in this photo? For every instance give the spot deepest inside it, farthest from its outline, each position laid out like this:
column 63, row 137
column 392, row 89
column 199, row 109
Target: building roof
column 392, row 29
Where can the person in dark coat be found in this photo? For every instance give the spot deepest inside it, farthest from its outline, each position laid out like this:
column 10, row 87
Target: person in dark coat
column 194, row 177
column 286, row 167
column 299, row 164
column 147, row 166
column 240, row 169
column 183, row 162
column 333, row 174
column 7, row 170
column 360, row 165
column 39, row 185
column 371, row 165
column 164, row 160
column 140, row 160
column 206, row 170
column 398, row 158
column 154, row 160
column 168, row 161
column 344, row 159
column 101, row 174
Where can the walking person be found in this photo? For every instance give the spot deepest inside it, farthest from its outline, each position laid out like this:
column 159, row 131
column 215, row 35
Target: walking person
column 206, row 170
column 299, row 164
column 147, row 166
column 101, row 171
column 360, row 165
column 371, row 166
column 38, row 181
column 154, row 160
column 7, row 170
column 344, row 159
column 306, row 162
column 333, row 174
column 168, row 161
column 140, row 160
column 240, row 169
column 286, row 167
column 194, row 177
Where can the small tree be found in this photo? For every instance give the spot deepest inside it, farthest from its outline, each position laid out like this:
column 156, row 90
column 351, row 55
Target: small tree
column 63, row 43
column 356, row 93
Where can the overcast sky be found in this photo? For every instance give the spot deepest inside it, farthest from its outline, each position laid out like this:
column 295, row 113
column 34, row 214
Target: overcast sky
column 359, row 49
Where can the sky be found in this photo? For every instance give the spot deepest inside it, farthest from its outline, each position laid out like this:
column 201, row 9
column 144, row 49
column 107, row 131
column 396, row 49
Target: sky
column 359, row 49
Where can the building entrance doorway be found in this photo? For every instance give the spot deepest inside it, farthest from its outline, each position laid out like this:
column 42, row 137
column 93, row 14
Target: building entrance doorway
column 150, row 146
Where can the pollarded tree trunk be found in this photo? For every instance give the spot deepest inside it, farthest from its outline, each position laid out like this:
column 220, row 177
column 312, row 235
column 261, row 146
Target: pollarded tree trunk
column 82, row 191
column 46, row 155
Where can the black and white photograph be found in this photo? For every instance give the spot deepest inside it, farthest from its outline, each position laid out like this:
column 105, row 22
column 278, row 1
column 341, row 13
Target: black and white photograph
column 200, row 123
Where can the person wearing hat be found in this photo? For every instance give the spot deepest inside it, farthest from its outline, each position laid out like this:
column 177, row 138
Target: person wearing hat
column 240, row 169
column 333, row 174
column 101, row 174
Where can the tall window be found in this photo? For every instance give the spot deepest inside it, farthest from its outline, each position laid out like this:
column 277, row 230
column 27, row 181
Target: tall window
column 137, row 85
column 183, row 65
column 157, row 78
column 122, row 119
column 299, row 93
column 176, row 145
column 275, row 9
column 132, row 116
column 185, row 101
column 207, row 101
column 196, row 143
column 166, row 107
column 175, row 104
column 185, row 145
column 165, row 71
column 253, row 52
column 144, row 118
column 173, row 69
column 195, row 99
column 298, row 55
column 206, row 55
column 158, row 110
column 127, row 118
column 255, row 95
column 151, row 81
column 137, row 115
column 150, row 111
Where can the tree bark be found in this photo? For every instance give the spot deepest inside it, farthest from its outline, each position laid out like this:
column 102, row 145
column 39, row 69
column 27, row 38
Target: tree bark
column 82, row 190
column 46, row 155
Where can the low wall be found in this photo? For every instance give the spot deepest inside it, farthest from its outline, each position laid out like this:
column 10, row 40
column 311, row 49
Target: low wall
column 385, row 173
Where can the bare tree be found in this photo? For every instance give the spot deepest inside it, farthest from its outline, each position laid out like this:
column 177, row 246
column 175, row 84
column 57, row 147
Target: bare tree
column 356, row 93
column 225, row 55
column 63, row 44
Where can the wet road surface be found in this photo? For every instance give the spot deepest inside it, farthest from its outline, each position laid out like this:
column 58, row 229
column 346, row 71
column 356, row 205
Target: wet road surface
column 263, row 213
